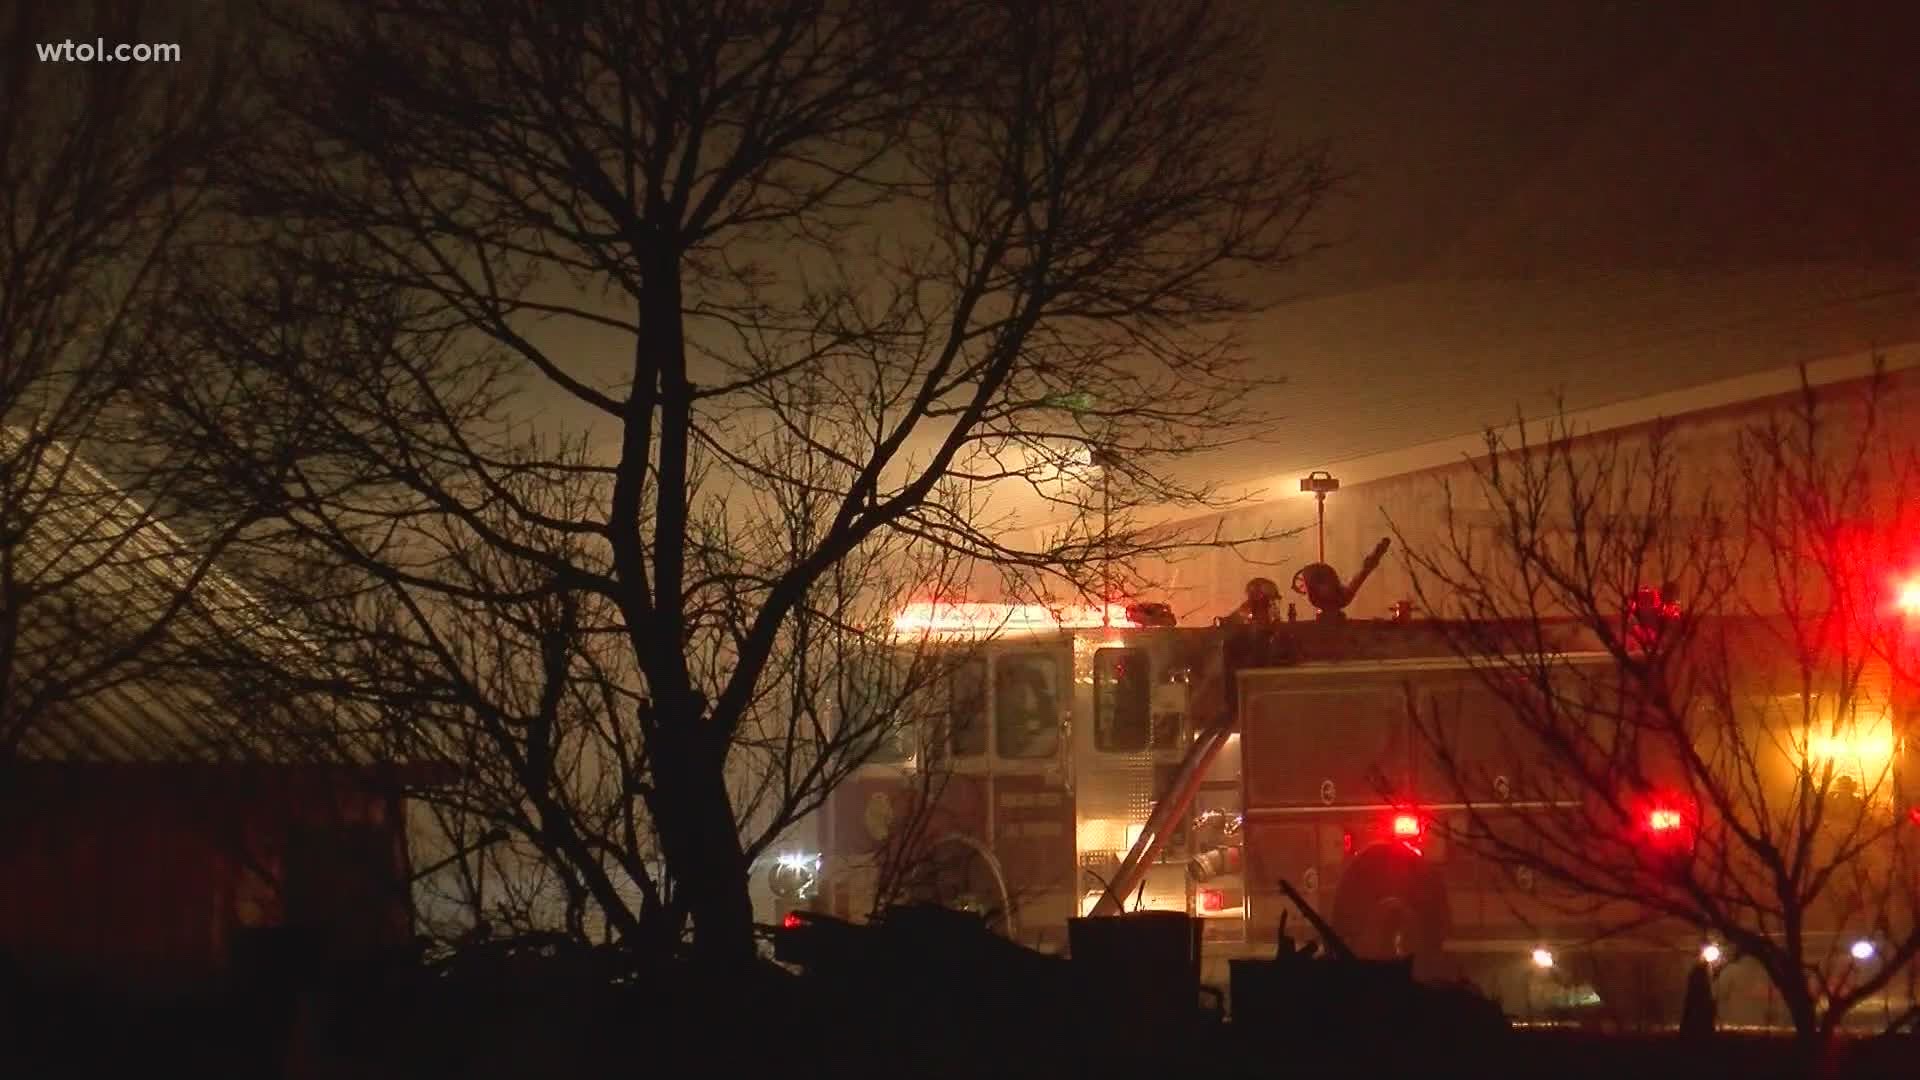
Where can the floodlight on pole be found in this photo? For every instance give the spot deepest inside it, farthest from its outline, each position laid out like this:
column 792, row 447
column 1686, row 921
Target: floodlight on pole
column 1320, row 482
column 1103, row 459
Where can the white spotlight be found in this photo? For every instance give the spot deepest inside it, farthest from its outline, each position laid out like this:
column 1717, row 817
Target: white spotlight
column 1711, row 953
column 1542, row 959
column 1862, row 949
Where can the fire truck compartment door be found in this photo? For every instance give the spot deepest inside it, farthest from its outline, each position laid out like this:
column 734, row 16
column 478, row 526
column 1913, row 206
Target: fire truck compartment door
column 1033, row 804
column 1308, row 743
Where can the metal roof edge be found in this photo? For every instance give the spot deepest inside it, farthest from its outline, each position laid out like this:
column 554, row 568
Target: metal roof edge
column 1758, row 386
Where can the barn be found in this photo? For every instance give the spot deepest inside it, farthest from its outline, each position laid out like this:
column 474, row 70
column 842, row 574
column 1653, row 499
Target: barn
column 158, row 822
column 149, row 872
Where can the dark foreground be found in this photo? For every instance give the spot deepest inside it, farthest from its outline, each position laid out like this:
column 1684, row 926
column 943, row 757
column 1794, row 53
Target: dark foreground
column 530, row 1033
column 943, row 1007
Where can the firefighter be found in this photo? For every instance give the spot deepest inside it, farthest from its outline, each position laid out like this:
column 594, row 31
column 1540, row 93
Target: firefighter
column 1261, row 607
column 1250, row 632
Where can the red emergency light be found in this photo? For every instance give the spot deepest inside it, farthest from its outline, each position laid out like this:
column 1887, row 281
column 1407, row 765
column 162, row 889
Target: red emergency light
column 1669, row 827
column 1409, row 831
column 1212, row 900
column 793, row 921
column 1650, row 615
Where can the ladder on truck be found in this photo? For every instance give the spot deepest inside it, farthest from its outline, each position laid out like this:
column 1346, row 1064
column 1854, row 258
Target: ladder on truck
column 1165, row 816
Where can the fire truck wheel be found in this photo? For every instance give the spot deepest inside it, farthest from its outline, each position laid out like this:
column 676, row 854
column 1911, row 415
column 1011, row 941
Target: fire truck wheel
column 957, row 874
column 1391, row 904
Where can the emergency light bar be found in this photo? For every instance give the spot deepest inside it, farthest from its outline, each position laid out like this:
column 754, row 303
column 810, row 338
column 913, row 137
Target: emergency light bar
column 933, row 617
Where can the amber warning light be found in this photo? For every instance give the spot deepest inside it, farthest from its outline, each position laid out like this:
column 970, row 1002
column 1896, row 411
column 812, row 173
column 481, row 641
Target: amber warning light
column 1907, row 597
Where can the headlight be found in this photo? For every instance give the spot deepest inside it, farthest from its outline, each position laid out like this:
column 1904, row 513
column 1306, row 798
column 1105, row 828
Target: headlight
column 794, row 876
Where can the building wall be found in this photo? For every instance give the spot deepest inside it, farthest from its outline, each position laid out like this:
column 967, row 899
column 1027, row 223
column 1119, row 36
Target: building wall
column 146, row 875
column 1415, row 503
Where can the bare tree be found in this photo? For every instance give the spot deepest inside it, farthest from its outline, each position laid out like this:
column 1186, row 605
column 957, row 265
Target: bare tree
column 754, row 297
column 102, row 192
column 1729, row 767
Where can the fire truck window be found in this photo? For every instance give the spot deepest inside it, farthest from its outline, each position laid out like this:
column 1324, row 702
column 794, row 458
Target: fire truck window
column 1122, row 720
column 895, row 746
column 1026, row 712
column 870, row 708
column 967, row 709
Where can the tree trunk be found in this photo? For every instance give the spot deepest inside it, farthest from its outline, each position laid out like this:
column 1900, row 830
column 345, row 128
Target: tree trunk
column 1810, row 1043
column 699, row 837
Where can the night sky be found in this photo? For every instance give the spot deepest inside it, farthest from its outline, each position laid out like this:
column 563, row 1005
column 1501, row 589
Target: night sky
column 1543, row 137
column 1602, row 199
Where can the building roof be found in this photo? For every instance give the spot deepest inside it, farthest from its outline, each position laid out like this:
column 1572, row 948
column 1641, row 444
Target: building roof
column 96, row 574
column 1594, row 419
column 1410, row 377
column 1379, row 371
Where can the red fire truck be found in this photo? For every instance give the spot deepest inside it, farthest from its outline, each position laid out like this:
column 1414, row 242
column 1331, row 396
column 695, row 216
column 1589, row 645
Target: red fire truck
column 1094, row 761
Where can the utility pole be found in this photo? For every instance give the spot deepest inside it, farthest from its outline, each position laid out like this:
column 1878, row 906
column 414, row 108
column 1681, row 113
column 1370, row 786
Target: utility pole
column 1106, row 541
column 1106, row 547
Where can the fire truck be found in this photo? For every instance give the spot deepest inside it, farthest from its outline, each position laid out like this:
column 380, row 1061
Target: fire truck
column 1090, row 760
column 1095, row 760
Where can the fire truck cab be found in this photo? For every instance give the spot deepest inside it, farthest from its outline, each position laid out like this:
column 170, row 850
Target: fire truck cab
column 1059, row 735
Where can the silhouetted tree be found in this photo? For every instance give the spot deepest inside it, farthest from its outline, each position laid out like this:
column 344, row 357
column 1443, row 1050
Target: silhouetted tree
column 1732, row 766
column 103, row 190
column 657, row 324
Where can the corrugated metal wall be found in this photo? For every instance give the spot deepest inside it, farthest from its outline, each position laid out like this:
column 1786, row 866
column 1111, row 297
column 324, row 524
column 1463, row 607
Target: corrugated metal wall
column 143, row 874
